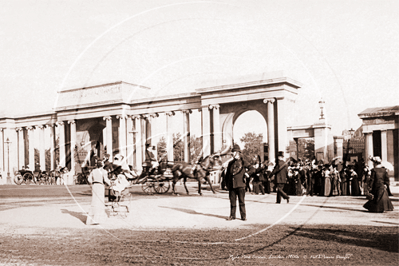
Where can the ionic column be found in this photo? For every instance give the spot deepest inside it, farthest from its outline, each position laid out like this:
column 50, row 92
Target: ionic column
column 129, row 140
column 144, row 126
column 73, row 145
column 282, row 126
column 21, row 147
column 369, row 147
column 217, row 132
column 108, row 120
column 169, row 135
column 138, row 142
column 270, row 129
column 186, row 134
column 61, row 144
column 42, row 151
column 384, row 148
column 150, row 120
column 122, row 135
column 206, row 131
column 2, row 150
column 52, row 146
column 31, row 148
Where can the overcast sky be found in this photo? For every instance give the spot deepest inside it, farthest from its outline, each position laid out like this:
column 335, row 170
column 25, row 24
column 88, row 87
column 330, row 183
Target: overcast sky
column 345, row 52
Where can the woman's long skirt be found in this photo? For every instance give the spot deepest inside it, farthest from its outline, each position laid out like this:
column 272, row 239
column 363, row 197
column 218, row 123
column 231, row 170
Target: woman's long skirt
column 327, row 186
column 298, row 188
column 344, row 190
column 380, row 203
column 355, row 187
column 97, row 210
column 335, row 187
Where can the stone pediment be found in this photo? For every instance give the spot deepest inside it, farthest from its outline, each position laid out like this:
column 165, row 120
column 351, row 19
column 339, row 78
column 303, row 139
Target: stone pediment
column 105, row 94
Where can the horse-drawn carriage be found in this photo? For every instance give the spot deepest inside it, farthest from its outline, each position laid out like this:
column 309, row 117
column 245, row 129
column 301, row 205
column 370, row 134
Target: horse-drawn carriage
column 26, row 176
column 159, row 179
column 156, row 180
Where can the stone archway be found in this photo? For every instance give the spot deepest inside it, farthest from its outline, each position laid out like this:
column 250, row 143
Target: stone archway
column 230, row 112
column 90, row 140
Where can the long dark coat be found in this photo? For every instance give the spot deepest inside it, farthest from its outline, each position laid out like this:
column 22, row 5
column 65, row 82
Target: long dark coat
column 280, row 171
column 235, row 174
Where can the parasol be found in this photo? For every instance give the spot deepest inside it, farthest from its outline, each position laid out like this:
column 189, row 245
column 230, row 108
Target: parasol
column 387, row 165
column 337, row 160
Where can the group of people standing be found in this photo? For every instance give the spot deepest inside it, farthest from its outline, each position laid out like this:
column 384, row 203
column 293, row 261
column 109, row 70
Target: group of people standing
column 310, row 178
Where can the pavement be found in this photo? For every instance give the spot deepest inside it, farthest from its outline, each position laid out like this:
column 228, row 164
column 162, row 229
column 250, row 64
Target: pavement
column 25, row 209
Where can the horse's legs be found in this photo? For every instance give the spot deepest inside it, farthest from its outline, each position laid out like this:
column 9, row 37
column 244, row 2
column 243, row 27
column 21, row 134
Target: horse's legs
column 173, row 187
column 184, row 180
column 210, row 184
column 199, row 185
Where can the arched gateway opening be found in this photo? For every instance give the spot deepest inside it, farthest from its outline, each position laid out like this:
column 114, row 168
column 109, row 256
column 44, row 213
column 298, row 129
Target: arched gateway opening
column 250, row 132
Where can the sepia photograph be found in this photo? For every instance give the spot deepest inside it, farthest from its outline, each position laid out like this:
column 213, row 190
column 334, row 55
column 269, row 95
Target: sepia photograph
column 199, row 132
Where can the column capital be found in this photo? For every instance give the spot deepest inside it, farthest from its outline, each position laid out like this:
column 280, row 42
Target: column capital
column 153, row 115
column 121, row 116
column 145, row 116
column 171, row 113
column 18, row 129
column 135, row 116
column 187, row 111
column 107, row 118
column 30, row 127
column 59, row 123
column 73, row 121
column 271, row 100
column 214, row 106
column 41, row 126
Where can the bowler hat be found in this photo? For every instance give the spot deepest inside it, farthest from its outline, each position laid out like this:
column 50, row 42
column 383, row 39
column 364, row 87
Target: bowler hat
column 280, row 154
column 236, row 148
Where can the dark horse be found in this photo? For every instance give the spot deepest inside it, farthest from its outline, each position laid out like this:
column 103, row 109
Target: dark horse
column 198, row 171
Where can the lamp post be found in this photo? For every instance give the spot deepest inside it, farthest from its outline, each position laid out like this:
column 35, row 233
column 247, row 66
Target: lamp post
column 8, row 161
column 351, row 132
column 322, row 105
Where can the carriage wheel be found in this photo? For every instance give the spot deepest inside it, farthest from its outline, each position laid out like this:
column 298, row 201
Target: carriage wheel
column 148, row 187
column 28, row 178
column 18, row 179
column 161, row 187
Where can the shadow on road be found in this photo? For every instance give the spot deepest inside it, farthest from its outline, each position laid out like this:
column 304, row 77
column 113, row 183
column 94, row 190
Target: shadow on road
column 194, row 212
column 335, row 207
column 371, row 238
column 81, row 216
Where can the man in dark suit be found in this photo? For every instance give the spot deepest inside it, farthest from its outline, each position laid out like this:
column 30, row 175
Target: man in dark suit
column 280, row 172
column 235, row 183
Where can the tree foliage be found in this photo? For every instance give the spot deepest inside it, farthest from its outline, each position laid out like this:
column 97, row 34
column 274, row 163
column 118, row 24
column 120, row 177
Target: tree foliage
column 195, row 147
column 252, row 144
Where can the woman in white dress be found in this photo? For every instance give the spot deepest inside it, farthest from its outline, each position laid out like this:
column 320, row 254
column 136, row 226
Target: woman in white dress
column 96, row 179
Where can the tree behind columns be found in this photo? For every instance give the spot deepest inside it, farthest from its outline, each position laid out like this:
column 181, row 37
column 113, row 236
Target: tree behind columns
column 252, row 144
column 178, row 147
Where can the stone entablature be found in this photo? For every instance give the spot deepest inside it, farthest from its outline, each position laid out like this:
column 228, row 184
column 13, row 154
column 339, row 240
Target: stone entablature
column 111, row 93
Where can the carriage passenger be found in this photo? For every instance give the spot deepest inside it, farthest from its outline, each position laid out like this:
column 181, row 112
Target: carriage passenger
column 150, row 160
column 119, row 185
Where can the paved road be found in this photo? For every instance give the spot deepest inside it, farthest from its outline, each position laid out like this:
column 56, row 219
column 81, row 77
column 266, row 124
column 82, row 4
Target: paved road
column 29, row 207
